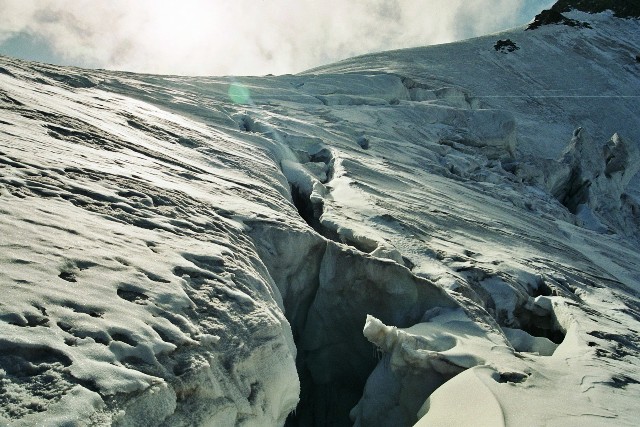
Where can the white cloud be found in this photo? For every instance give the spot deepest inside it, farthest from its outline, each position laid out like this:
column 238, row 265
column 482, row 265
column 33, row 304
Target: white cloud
column 248, row 36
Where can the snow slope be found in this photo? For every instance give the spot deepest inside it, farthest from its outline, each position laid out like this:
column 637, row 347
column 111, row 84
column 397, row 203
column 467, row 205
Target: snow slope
column 420, row 236
column 562, row 76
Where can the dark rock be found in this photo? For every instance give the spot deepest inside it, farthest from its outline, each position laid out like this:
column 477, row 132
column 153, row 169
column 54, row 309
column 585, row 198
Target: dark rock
column 620, row 8
column 554, row 16
column 505, row 46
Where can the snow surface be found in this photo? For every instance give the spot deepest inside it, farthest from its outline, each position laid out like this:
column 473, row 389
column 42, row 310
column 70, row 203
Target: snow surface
column 420, row 236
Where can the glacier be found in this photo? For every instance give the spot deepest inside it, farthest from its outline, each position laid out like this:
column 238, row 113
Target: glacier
column 434, row 236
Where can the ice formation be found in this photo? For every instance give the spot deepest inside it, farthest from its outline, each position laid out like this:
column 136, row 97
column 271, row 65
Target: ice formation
column 436, row 236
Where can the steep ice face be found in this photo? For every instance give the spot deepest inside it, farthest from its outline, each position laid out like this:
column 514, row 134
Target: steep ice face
column 598, row 175
column 392, row 240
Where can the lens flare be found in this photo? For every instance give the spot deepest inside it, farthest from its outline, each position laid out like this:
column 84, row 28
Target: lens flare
column 239, row 93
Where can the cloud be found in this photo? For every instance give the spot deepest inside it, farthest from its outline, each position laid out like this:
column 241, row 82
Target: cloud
column 247, row 36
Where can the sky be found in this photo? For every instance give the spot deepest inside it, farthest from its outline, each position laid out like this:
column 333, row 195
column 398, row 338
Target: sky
column 240, row 37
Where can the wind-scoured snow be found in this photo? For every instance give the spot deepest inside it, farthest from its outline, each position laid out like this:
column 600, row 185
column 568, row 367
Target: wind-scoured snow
column 441, row 236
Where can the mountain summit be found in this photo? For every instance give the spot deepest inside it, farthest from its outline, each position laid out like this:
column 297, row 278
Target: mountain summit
column 620, row 8
column 445, row 235
column 555, row 15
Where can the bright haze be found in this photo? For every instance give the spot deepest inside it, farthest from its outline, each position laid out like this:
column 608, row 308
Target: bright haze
column 240, row 37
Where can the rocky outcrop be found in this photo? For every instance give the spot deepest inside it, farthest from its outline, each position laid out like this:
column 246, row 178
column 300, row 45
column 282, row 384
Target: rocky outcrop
column 555, row 15
column 621, row 9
